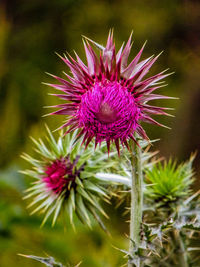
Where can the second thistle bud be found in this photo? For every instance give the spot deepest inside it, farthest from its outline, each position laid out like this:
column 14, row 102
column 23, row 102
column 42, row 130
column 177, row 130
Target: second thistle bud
column 65, row 179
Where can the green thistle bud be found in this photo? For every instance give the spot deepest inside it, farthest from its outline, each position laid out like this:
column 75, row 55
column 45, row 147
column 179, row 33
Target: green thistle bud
column 65, row 178
column 169, row 182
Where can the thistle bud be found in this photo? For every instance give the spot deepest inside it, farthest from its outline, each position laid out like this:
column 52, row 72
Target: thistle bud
column 65, row 178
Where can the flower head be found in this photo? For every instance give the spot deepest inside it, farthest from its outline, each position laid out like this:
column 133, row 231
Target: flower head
column 66, row 178
column 107, row 98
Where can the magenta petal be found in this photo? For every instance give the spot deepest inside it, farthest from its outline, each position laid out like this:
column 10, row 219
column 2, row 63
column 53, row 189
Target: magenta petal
column 125, row 53
column 127, row 72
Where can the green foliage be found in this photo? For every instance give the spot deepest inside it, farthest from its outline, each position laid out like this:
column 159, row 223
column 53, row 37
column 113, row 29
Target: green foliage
column 174, row 223
column 171, row 241
column 174, row 239
column 171, row 219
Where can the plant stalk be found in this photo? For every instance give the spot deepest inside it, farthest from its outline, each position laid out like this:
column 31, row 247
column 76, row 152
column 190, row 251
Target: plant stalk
column 182, row 255
column 136, row 202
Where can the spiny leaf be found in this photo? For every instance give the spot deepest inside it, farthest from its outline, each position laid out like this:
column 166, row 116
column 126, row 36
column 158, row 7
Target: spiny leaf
column 50, row 261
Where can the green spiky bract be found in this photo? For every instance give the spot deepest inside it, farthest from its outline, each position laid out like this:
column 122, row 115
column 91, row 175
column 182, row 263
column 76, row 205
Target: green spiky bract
column 169, row 181
column 81, row 199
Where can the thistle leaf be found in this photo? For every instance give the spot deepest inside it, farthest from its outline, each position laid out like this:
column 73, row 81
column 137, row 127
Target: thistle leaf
column 50, row 261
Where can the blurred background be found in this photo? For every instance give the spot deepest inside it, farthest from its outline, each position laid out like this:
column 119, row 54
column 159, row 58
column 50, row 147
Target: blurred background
column 30, row 32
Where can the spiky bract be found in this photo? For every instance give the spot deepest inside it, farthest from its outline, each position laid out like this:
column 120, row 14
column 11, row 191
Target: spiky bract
column 107, row 98
column 169, row 181
column 65, row 178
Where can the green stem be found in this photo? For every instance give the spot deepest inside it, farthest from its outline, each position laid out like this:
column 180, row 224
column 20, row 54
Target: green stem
column 136, row 202
column 182, row 255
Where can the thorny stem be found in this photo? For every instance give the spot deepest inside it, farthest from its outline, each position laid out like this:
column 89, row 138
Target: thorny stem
column 182, row 254
column 136, row 202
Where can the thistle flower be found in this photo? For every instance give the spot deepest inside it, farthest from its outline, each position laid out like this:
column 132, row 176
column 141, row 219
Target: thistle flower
column 66, row 178
column 107, row 98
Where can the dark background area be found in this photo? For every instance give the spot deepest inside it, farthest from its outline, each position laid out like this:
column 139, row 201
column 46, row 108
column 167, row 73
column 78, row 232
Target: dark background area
column 30, row 32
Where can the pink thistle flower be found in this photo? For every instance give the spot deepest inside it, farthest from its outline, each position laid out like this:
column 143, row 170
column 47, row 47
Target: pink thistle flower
column 107, row 98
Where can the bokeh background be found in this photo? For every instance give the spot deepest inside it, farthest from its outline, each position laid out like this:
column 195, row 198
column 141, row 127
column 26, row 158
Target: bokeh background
column 30, row 32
